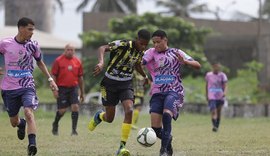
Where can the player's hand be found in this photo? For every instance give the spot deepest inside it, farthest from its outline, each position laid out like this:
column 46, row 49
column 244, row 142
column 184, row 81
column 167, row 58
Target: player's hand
column 55, row 94
column 180, row 58
column 81, row 98
column 98, row 69
column 147, row 81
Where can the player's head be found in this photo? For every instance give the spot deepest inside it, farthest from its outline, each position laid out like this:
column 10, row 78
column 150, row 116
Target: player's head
column 160, row 40
column 69, row 50
column 143, row 38
column 216, row 67
column 26, row 28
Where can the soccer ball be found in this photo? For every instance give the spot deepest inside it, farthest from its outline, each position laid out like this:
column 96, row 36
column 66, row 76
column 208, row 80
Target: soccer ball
column 146, row 137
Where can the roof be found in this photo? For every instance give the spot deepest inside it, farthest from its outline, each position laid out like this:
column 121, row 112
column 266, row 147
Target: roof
column 46, row 40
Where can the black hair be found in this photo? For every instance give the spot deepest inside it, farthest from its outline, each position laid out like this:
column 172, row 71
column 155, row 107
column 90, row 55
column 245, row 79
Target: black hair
column 24, row 21
column 159, row 33
column 144, row 34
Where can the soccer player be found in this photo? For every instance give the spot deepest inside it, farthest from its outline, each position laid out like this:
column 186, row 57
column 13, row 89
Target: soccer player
column 163, row 64
column 18, row 88
column 67, row 71
column 139, row 92
column 125, row 56
column 216, row 88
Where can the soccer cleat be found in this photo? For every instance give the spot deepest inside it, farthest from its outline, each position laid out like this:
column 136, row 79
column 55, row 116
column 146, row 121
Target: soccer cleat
column 74, row 132
column 55, row 128
column 123, row 152
column 32, row 150
column 214, row 129
column 163, row 152
column 94, row 121
column 21, row 130
column 169, row 147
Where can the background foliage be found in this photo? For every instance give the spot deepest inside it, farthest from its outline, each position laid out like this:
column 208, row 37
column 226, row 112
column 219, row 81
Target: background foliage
column 181, row 34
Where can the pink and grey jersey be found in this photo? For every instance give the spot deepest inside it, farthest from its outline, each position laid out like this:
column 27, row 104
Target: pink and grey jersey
column 215, row 85
column 164, row 68
column 19, row 63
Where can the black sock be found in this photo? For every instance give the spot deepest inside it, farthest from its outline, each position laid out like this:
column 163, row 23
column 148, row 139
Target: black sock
column 58, row 116
column 167, row 128
column 22, row 123
column 214, row 122
column 74, row 118
column 158, row 132
column 32, row 139
column 218, row 121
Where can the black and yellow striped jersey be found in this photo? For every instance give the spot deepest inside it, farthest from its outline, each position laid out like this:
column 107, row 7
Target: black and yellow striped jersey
column 123, row 57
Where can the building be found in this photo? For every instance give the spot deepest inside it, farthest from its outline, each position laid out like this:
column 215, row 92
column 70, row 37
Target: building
column 51, row 46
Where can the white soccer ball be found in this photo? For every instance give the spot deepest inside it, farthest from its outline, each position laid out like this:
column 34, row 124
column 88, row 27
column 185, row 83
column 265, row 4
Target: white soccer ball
column 146, row 137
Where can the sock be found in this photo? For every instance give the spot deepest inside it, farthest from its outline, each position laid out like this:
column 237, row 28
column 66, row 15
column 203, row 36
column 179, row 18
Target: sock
column 21, row 123
column 158, row 132
column 101, row 116
column 32, row 139
column 218, row 121
column 214, row 122
column 125, row 131
column 135, row 116
column 58, row 116
column 167, row 128
column 74, row 118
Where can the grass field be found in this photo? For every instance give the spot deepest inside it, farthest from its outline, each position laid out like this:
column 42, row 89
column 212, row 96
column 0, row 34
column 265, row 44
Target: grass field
column 192, row 137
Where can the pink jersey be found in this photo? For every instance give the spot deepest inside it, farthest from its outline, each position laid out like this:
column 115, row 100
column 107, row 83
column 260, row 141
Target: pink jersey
column 19, row 63
column 215, row 85
column 164, row 68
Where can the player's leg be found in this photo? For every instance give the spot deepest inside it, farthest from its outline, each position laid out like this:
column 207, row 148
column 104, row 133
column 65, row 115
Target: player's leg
column 31, row 130
column 213, row 109
column 219, row 109
column 109, row 100
column 30, row 103
column 156, row 110
column 73, row 99
column 172, row 100
column 137, row 109
column 62, row 104
column 13, row 104
column 127, row 98
column 74, row 118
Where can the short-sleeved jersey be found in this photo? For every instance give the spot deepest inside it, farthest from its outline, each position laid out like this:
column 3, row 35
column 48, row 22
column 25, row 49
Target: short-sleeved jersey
column 164, row 68
column 19, row 63
column 123, row 57
column 215, row 85
column 67, row 71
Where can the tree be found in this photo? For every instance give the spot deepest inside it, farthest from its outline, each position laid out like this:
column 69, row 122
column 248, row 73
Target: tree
column 121, row 6
column 182, row 8
column 181, row 34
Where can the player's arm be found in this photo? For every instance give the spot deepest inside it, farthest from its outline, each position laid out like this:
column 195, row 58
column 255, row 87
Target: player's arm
column 139, row 69
column 187, row 60
column 81, row 85
column 206, row 90
column 45, row 71
column 101, row 52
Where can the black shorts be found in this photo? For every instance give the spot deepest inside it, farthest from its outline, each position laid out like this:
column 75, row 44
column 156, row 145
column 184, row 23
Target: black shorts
column 112, row 91
column 67, row 96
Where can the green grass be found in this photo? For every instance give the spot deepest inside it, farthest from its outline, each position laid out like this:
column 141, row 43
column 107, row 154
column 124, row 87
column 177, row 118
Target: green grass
column 192, row 136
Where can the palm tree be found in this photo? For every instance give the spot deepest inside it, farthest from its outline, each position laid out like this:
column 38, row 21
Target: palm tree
column 121, row 6
column 182, row 8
